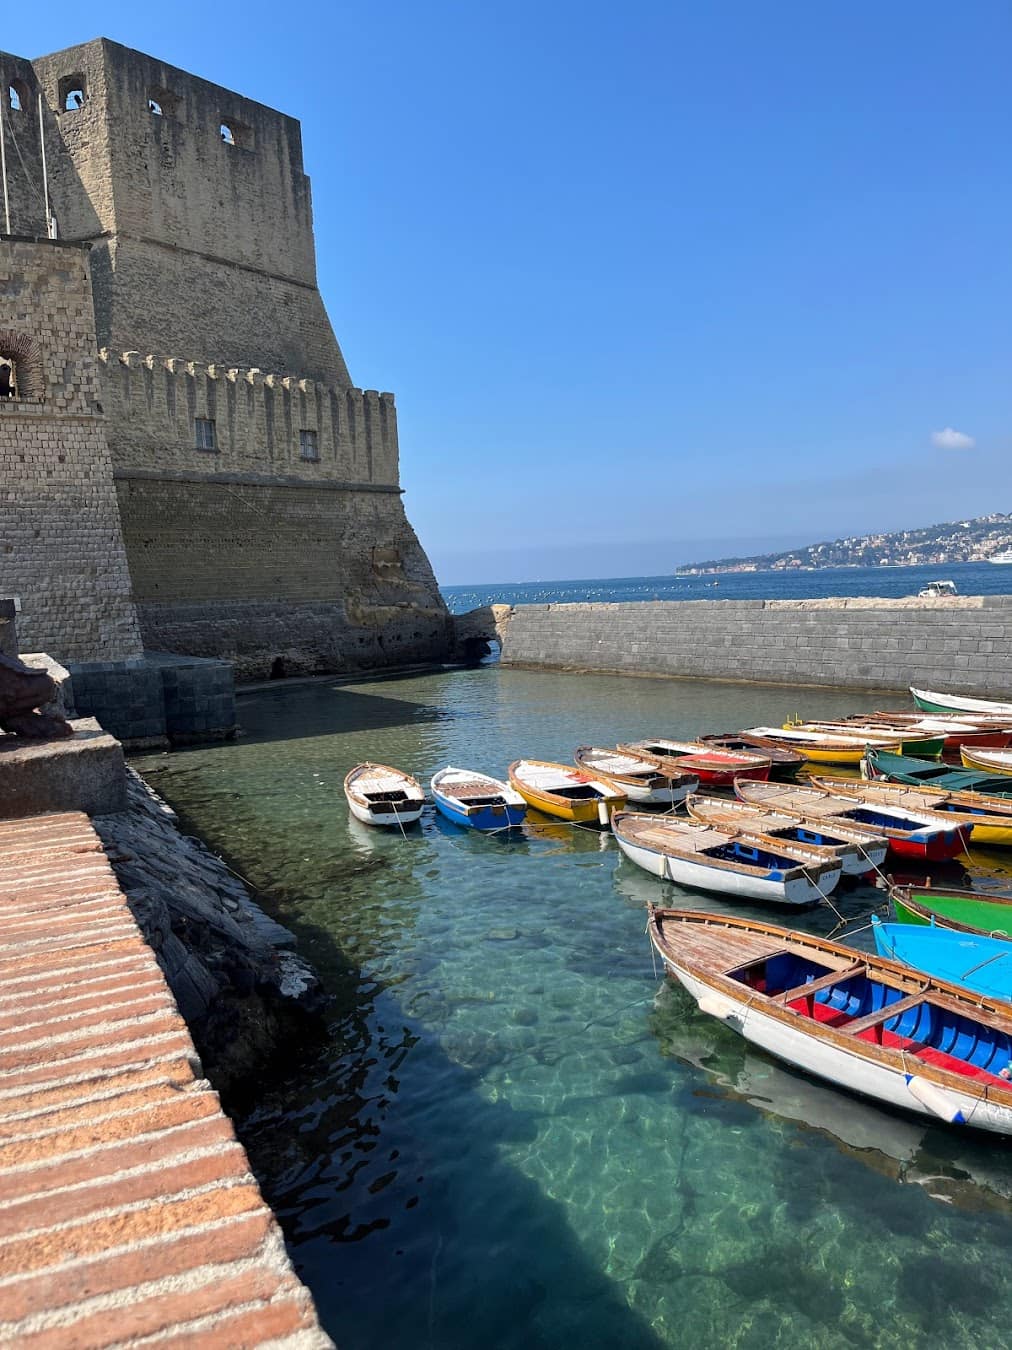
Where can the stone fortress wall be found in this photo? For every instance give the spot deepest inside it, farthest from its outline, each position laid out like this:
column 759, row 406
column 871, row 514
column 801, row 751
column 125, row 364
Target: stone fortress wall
column 61, row 543
column 258, row 490
column 958, row 645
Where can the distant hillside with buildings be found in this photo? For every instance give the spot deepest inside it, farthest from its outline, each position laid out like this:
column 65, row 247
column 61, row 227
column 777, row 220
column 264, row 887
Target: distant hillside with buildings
column 954, row 542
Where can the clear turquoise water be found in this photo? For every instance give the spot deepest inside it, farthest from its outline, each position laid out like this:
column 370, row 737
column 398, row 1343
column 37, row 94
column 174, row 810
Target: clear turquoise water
column 512, row 1134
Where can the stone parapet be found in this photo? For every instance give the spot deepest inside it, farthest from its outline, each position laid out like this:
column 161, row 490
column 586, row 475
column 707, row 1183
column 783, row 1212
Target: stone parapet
column 84, row 773
column 959, row 644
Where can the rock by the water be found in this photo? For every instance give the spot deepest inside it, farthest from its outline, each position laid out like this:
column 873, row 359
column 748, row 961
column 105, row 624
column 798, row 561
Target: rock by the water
column 240, row 988
column 22, row 691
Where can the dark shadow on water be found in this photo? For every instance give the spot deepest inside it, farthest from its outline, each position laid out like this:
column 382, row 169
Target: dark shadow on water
column 326, row 710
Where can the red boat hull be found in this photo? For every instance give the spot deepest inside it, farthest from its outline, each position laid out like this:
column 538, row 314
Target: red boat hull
column 941, row 847
column 723, row 776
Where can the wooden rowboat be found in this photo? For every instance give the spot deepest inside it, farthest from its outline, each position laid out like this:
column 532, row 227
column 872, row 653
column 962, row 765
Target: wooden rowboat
column 856, row 851
column 818, row 747
column 974, row 961
column 987, row 761
column 956, row 731
column 568, row 793
column 380, row 795
column 864, row 1023
column 717, row 768
column 929, row 701
column 783, row 763
column 636, row 777
column 990, row 818
column 477, row 801
column 963, row 911
column 923, row 772
column 710, row 860
column 911, row 834
column 871, row 733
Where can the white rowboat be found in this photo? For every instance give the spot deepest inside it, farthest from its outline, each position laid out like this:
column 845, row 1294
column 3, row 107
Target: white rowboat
column 380, row 795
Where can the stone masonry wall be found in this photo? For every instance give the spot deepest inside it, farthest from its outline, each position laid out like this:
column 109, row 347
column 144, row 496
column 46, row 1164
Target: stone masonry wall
column 202, row 247
column 61, row 545
column 320, row 577
column 152, row 403
column 958, row 645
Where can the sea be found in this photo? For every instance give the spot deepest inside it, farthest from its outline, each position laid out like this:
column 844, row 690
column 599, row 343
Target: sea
column 891, row 582
column 511, row 1132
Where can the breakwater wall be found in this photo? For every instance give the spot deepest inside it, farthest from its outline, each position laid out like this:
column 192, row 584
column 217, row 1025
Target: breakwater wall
column 959, row 643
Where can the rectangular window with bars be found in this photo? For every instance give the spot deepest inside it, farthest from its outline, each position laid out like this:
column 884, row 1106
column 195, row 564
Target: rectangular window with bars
column 205, row 438
column 309, row 446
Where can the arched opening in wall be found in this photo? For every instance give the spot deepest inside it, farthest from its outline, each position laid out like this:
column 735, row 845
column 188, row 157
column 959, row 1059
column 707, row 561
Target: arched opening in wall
column 73, row 92
column 20, row 368
column 17, row 97
column 163, row 103
column 236, row 134
column 278, row 671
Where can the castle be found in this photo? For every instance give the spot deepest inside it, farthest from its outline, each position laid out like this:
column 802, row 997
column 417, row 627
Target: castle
column 184, row 462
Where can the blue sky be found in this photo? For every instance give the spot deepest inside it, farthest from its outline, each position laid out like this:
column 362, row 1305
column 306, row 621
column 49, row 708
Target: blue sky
column 650, row 281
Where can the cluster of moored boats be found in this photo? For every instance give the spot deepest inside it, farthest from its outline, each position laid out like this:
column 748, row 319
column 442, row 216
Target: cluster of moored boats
column 925, row 1024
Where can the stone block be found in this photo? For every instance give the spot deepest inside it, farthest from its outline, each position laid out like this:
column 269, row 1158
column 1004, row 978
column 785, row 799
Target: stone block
column 84, row 773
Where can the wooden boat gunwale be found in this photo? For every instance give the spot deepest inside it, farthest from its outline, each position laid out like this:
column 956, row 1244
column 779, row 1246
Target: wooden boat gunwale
column 653, row 778
column 369, row 808
column 720, row 813
column 627, row 823
column 925, row 989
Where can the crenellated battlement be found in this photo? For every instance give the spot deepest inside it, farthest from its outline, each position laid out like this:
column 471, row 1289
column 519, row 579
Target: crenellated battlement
column 159, row 408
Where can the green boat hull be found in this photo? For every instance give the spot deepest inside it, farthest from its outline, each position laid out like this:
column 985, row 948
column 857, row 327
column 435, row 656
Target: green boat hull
column 924, row 773
column 962, row 910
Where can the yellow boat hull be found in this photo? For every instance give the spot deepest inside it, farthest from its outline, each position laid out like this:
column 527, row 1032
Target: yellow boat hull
column 990, row 836
column 970, row 761
column 576, row 813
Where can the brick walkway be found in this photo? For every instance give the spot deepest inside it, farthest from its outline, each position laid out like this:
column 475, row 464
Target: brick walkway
column 128, row 1214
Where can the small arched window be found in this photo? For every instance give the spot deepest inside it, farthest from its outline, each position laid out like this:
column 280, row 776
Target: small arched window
column 20, row 368
column 73, row 92
column 162, row 103
column 236, row 134
column 14, row 99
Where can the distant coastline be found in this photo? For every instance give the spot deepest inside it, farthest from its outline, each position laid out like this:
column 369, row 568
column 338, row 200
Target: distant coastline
column 963, row 541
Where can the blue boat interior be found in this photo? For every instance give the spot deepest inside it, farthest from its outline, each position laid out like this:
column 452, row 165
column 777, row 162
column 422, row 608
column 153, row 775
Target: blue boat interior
column 801, row 834
column 737, row 851
column 932, row 1033
column 880, row 820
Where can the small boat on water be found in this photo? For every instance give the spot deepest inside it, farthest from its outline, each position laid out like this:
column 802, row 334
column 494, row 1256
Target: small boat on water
column 818, row 747
column 715, row 767
column 930, row 701
column 870, row 733
column 636, row 777
column 924, row 772
column 380, row 795
column 476, row 800
column 987, row 761
column 857, row 851
column 964, row 911
column 911, row 834
column 858, row 1021
column 989, row 817
column 955, row 730
column 710, row 860
column 973, row 960
column 559, row 790
column 783, row 763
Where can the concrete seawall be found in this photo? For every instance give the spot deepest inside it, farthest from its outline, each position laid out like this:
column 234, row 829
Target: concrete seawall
column 959, row 644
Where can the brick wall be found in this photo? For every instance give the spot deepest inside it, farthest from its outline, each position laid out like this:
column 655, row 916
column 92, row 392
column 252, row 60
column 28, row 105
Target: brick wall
column 961, row 645
column 61, row 546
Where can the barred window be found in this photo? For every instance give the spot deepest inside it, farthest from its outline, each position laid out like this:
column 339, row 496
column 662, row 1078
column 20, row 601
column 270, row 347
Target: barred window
column 309, row 446
column 205, row 436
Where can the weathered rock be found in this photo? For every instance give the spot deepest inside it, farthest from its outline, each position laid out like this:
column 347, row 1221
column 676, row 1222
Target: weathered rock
column 22, row 690
column 239, row 987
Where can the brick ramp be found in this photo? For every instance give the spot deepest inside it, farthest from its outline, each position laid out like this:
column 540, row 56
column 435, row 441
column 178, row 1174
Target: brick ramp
column 128, row 1213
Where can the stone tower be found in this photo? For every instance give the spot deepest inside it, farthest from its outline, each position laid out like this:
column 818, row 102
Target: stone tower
column 258, row 489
